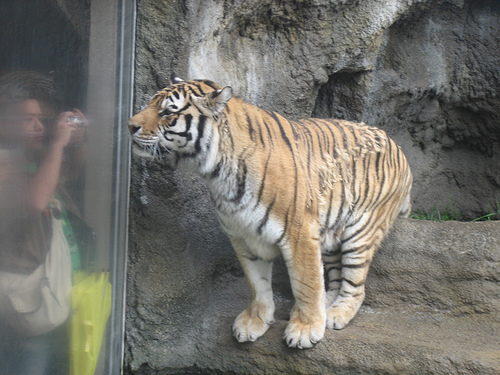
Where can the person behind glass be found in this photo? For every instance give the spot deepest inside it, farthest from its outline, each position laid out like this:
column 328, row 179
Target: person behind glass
column 36, row 142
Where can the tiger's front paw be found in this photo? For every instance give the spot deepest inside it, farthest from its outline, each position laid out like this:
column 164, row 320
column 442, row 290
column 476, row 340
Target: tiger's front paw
column 252, row 323
column 302, row 335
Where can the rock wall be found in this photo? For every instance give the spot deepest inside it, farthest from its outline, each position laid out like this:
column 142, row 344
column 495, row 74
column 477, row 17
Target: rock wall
column 434, row 90
column 426, row 71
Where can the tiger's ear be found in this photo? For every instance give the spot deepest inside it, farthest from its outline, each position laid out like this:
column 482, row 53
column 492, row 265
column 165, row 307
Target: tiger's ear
column 218, row 99
column 174, row 79
column 214, row 102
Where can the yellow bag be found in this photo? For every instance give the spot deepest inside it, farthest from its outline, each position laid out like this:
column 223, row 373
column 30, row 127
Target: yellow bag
column 91, row 308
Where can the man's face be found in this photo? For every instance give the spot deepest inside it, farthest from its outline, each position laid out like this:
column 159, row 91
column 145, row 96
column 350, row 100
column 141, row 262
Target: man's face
column 25, row 124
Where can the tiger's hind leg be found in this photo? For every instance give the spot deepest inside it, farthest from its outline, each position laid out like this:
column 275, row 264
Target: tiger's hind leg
column 333, row 267
column 355, row 256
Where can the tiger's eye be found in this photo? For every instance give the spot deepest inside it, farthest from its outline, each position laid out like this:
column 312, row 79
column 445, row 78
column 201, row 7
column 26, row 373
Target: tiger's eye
column 166, row 113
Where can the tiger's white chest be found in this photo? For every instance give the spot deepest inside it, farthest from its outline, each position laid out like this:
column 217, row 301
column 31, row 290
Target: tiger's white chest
column 241, row 214
column 246, row 224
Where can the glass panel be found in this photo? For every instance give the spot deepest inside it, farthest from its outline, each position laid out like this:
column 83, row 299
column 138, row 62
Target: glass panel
column 65, row 78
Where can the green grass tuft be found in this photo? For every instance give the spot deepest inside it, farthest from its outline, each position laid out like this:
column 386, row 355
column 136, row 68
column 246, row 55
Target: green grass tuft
column 435, row 214
column 494, row 212
column 452, row 213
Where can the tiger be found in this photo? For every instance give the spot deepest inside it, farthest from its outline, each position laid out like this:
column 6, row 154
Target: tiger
column 321, row 193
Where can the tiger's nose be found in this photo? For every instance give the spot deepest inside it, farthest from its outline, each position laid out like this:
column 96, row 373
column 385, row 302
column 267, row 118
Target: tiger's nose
column 133, row 128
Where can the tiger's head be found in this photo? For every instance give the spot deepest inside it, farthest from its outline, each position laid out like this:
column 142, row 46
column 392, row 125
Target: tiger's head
column 179, row 120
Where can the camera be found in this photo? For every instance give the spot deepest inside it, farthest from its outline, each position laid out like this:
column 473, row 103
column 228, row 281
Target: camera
column 77, row 120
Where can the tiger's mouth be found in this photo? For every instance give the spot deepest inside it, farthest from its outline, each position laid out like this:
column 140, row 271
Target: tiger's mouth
column 151, row 149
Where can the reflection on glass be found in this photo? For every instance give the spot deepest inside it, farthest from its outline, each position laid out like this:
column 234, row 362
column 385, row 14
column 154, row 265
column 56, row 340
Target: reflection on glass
column 63, row 175
column 44, row 238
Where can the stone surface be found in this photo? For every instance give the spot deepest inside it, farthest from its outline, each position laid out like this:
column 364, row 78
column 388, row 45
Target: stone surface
column 432, row 306
column 426, row 71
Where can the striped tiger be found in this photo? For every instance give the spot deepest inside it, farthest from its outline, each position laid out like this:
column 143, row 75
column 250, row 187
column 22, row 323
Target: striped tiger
column 322, row 193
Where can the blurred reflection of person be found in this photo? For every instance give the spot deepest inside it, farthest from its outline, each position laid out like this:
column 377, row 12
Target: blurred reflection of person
column 40, row 149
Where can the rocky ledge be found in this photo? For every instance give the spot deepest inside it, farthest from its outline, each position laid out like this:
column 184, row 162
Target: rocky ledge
column 432, row 307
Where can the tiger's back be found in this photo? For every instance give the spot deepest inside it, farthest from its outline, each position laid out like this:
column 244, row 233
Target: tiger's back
column 331, row 171
column 322, row 193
